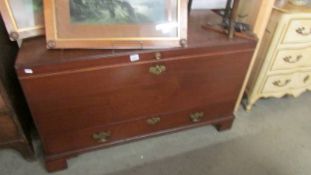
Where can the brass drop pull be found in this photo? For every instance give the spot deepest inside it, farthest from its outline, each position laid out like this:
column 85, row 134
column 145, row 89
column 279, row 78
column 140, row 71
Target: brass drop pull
column 153, row 121
column 196, row 117
column 306, row 79
column 303, row 31
column 101, row 137
column 279, row 83
column 157, row 69
column 289, row 59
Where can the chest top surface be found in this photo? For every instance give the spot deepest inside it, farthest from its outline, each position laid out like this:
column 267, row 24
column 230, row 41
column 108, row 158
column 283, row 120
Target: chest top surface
column 34, row 53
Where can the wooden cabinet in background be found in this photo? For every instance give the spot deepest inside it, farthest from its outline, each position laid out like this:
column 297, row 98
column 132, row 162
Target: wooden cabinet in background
column 284, row 62
column 15, row 120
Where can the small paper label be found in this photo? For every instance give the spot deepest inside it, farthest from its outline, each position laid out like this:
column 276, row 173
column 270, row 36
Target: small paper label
column 134, row 57
column 28, row 71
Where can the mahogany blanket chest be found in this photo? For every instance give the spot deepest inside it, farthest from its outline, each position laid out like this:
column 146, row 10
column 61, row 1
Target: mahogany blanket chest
column 88, row 99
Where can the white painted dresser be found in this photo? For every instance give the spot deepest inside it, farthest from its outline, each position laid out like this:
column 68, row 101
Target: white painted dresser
column 284, row 60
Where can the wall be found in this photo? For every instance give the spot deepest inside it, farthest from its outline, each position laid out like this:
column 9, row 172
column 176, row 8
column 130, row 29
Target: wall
column 208, row 4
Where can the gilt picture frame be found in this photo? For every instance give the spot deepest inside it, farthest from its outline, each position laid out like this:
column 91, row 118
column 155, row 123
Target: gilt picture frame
column 23, row 18
column 116, row 24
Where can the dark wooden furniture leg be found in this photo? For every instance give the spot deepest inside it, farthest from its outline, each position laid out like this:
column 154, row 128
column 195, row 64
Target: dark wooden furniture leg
column 56, row 165
column 225, row 125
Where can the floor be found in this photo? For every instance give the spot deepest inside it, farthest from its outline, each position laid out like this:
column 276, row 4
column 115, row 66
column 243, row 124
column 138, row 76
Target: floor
column 273, row 139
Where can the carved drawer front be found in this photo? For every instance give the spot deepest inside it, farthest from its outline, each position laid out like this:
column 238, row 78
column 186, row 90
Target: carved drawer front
column 282, row 83
column 292, row 59
column 279, row 83
column 298, row 31
column 112, row 134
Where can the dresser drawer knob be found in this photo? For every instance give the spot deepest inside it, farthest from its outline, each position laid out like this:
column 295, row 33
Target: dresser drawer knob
column 303, row 31
column 279, row 83
column 196, row 117
column 101, row 137
column 306, row 79
column 153, row 121
column 157, row 69
column 289, row 59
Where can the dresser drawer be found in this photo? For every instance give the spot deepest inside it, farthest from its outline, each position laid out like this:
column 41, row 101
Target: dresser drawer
column 282, row 83
column 292, row 59
column 298, row 31
column 278, row 83
column 112, row 134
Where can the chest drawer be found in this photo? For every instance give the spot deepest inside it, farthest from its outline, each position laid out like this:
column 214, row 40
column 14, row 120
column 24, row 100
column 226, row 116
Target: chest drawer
column 292, row 59
column 298, row 31
column 112, row 134
column 285, row 82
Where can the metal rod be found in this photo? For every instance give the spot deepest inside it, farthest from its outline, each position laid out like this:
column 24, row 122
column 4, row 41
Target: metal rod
column 189, row 6
column 227, row 10
column 233, row 18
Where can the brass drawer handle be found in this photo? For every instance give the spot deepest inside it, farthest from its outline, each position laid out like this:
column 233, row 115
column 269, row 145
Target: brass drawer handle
column 303, row 31
column 157, row 69
column 279, row 83
column 101, row 137
column 196, row 117
column 306, row 79
column 289, row 59
column 153, row 121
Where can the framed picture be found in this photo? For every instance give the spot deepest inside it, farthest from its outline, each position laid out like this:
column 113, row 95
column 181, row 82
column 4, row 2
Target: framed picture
column 23, row 18
column 116, row 24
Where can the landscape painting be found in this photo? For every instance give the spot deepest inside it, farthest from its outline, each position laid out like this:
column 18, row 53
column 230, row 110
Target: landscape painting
column 118, row 11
